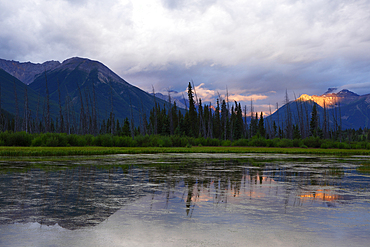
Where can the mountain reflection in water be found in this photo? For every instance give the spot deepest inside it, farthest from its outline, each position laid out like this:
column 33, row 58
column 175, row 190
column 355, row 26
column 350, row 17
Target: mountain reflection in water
column 84, row 196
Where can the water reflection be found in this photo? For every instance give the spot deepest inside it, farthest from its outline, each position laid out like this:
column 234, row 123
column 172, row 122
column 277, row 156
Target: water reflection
column 72, row 197
column 79, row 196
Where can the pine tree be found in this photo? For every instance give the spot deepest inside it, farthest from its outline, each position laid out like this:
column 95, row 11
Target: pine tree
column 261, row 126
column 245, row 129
column 126, row 128
column 224, row 120
column 254, row 125
column 314, row 121
column 238, row 122
column 192, row 116
column 274, row 134
column 296, row 132
column 170, row 116
column 216, row 122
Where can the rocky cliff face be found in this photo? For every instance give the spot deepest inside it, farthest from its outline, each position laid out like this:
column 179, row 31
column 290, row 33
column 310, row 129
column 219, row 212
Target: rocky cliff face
column 330, row 99
column 26, row 72
column 351, row 109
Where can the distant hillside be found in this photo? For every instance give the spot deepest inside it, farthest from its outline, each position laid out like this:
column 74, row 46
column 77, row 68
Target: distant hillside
column 180, row 102
column 346, row 107
column 331, row 99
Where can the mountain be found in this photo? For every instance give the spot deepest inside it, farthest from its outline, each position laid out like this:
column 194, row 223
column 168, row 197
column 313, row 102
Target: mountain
column 26, row 72
column 82, row 78
column 330, row 99
column 347, row 107
column 10, row 85
column 175, row 97
column 78, row 78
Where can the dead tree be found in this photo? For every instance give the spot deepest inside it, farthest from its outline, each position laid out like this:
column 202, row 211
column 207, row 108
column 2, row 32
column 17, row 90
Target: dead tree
column 300, row 116
column 340, row 123
column 278, row 117
column 111, row 116
column 155, row 112
column 82, row 113
column 270, row 124
column 47, row 119
column 307, row 122
column 201, row 120
column 61, row 119
column 210, row 125
column 186, row 105
column 251, row 131
column 288, row 119
column 132, row 121
column 94, row 113
column 26, row 117
column 143, row 121
column 87, row 112
column 228, row 109
column 324, row 125
column 170, row 113
column 67, row 110
column 37, row 126
column 16, row 120
column 245, row 122
column 1, row 112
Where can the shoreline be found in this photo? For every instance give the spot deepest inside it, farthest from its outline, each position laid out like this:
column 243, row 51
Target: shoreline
column 91, row 150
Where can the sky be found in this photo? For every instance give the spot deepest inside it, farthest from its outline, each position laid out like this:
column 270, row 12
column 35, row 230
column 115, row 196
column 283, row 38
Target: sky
column 257, row 50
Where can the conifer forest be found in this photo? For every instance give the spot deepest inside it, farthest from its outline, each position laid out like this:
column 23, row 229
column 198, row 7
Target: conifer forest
column 224, row 124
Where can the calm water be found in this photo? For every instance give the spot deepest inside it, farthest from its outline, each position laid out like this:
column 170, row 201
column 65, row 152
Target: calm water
column 186, row 200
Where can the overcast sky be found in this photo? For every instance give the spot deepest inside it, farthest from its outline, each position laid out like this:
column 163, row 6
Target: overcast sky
column 258, row 49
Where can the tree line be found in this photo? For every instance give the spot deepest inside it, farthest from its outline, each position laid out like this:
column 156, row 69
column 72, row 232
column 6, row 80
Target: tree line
column 226, row 121
column 230, row 121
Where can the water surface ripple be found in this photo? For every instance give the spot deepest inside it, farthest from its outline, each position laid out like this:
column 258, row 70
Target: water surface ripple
column 186, row 200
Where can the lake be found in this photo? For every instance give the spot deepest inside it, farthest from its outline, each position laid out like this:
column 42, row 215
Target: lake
column 186, row 200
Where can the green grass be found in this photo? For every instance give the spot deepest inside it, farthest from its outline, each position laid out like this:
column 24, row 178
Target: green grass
column 72, row 151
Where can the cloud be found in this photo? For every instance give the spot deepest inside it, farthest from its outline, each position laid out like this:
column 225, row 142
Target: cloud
column 210, row 96
column 253, row 47
column 194, row 5
column 360, row 88
column 253, row 97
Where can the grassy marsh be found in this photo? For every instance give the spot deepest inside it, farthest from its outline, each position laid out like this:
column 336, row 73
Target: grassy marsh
column 6, row 152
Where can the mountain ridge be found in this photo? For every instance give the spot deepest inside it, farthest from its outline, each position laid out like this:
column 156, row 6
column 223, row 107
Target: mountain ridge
column 345, row 107
column 83, row 85
column 26, row 72
column 81, row 78
column 331, row 99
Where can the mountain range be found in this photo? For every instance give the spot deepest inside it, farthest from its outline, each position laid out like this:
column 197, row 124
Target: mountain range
column 81, row 80
column 344, row 108
column 77, row 78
